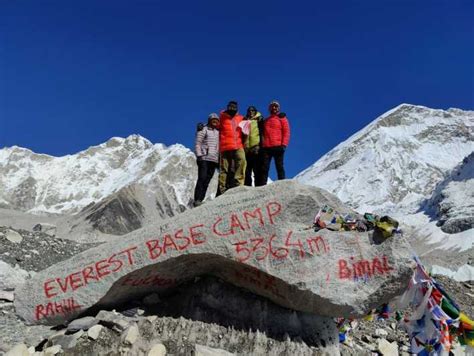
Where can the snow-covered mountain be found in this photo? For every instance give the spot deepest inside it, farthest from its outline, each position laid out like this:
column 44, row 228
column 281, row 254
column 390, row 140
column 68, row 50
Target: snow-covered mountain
column 38, row 183
column 413, row 163
column 395, row 162
column 453, row 199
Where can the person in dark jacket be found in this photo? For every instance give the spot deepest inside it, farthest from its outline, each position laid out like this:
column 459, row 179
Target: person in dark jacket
column 276, row 136
column 252, row 146
column 207, row 156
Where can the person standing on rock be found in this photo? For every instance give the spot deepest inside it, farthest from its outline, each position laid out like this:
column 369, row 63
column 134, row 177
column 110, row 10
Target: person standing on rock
column 207, row 156
column 276, row 136
column 231, row 148
column 252, row 146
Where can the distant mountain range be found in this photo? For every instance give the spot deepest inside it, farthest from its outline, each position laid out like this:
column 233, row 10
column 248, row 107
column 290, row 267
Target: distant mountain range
column 113, row 188
column 413, row 163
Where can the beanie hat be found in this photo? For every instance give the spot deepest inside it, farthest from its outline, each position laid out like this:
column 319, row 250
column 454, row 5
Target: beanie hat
column 274, row 102
column 232, row 102
column 211, row 117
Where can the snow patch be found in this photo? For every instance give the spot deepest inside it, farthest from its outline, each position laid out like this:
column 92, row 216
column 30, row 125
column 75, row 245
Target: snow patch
column 463, row 274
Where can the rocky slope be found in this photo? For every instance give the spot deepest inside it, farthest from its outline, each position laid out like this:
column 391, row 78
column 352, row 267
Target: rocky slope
column 452, row 203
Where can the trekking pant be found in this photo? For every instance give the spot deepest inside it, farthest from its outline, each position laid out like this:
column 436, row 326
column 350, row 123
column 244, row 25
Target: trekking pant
column 232, row 159
column 254, row 165
column 205, row 172
column 267, row 154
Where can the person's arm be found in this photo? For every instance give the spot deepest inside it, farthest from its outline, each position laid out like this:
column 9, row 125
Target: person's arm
column 285, row 128
column 198, row 142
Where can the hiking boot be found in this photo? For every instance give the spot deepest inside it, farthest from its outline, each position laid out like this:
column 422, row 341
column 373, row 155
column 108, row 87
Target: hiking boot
column 197, row 203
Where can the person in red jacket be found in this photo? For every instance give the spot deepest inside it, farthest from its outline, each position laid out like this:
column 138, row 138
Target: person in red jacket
column 231, row 146
column 276, row 136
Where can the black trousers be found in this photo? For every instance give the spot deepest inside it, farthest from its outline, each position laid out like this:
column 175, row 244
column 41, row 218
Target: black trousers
column 206, row 170
column 278, row 153
column 254, row 165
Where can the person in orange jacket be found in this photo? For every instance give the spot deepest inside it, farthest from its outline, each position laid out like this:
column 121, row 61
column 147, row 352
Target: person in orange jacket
column 231, row 147
column 276, row 136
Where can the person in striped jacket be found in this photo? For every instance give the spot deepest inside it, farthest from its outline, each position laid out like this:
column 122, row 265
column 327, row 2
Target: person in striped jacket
column 207, row 156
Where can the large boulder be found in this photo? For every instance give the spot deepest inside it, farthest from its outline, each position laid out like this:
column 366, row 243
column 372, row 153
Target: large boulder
column 254, row 238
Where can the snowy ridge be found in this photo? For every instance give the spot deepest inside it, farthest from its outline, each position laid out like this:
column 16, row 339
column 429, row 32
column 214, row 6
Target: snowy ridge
column 453, row 200
column 396, row 161
column 39, row 183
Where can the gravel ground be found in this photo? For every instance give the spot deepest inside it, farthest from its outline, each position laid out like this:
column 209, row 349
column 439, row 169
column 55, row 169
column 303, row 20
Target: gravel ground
column 37, row 250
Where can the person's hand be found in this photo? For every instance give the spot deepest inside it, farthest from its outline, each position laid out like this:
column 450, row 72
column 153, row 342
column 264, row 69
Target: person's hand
column 283, row 148
column 281, row 115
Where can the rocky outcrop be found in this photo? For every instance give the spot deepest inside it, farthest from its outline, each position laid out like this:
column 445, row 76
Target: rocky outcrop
column 453, row 199
column 117, row 214
column 256, row 239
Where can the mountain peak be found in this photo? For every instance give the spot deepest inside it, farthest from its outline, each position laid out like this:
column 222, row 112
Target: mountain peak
column 396, row 160
column 134, row 140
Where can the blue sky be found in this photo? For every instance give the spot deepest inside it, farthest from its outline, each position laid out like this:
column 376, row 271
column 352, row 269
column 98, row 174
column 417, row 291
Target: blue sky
column 75, row 73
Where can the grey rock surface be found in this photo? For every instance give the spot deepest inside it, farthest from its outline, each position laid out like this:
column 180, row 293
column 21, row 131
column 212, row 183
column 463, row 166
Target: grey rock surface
column 157, row 350
column 7, row 295
column 257, row 239
column 13, row 236
column 201, row 350
column 84, row 323
column 18, row 350
column 112, row 320
column 94, row 332
column 10, row 277
column 48, row 229
column 131, row 334
column 387, row 348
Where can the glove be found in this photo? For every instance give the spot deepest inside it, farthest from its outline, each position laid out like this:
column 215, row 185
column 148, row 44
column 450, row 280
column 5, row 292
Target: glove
column 283, row 148
column 281, row 115
column 200, row 126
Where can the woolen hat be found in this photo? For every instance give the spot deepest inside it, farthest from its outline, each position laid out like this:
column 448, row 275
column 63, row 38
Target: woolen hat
column 211, row 117
column 274, row 102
